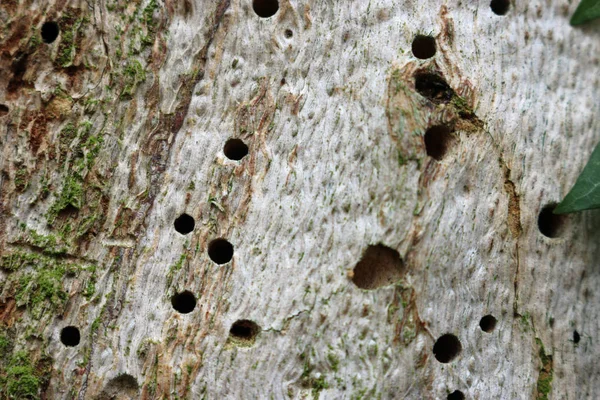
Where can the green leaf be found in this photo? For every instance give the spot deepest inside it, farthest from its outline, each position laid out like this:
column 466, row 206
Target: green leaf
column 586, row 11
column 585, row 195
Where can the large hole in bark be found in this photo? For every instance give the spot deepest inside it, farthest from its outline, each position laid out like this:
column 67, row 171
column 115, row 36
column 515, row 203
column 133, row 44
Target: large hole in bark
column 122, row 387
column 433, row 87
column 69, row 336
column 500, row 7
column 456, row 395
column 379, row 266
column 3, row 110
column 184, row 224
column 265, row 8
column 50, row 31
column 576, row 337
column 235, row 149
column 551, row 225
column 244, row 331
column 423, row 47
column 184, row 302
column 447, row 348
column 488, row 323
column 220, row 251
column 438, row 140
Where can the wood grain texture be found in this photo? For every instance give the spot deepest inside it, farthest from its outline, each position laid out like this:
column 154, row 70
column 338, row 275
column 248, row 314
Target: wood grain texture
column 116, row 128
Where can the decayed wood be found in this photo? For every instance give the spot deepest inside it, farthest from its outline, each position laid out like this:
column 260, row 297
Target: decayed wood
column 116, row 128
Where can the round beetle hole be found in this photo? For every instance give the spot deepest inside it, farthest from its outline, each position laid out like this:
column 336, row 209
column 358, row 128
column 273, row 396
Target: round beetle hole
column 220, row 251
column 500, row 7
column 550, row 224
column 184, row 302
column 456, row 395
column 447, row 348
column 423, row 47
column 184, row 224
column 235, row 149
column 438, row 139
column 49, row 32
column 379, row 266
column 69, row 336
column 488, row 323
column 265, row 8
column 289, row 33
column 244, row 331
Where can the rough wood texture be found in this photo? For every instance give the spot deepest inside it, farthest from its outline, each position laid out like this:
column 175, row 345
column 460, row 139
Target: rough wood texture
column 116, row 128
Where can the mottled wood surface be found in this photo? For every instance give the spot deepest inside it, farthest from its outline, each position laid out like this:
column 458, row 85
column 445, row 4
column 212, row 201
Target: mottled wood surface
column 112, row 131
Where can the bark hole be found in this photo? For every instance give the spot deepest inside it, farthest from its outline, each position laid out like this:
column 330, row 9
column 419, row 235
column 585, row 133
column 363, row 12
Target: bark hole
column 69, row 336
column 3, row 110
column 456, row 395
column 50, row 32
column 220, row 251
column 184, row 224
column 289, row 33
column 576, row 337
column 122, row 387
column 244, row 330
column 265, row 8
column 184, row 302
column 551, row 225
column 500, row 7
column 423, row 47
column 433, row 87
column 379, row 266
column 438, row 140
column 235, row 149
column 488, row 323
column 447, row 348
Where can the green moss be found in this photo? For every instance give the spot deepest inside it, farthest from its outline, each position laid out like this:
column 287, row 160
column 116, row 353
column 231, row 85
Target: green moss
column 21, row 179
column 19, row 380
column 70, row 196
column 175, row 268
column 134, row 74
column 4, row 345
column 544, row 382
column 334, row 361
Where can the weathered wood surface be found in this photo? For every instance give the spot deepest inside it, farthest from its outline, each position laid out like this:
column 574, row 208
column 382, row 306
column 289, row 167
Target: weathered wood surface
column 116, row 128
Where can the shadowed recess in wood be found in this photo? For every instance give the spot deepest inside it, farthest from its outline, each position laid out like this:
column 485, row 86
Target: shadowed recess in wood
column 379, row 266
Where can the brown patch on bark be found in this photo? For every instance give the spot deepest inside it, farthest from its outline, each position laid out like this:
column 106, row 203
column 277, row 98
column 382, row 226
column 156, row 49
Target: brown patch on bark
column 514, row 203
column 447, row 32
column 9, row 312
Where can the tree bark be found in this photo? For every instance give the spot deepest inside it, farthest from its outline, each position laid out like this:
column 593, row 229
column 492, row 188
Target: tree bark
column 386, row 205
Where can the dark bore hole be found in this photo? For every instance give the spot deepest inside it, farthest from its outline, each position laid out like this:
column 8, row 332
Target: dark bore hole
column 184, row 224
column 379, row 266
column 576, row 337
column 289, row 33
column 244, row 330
column 488, row 323
column 184, row 302
column 423, row 47
column 70, row 336
column 551, row 225
column 456, row 395
column 235, row 149
column 433, row 87
column 3, row 110
column 49, row 32
column 447, row 348
column 220, row 251
column 500, row 7
column 438, row 140
column 265, row 8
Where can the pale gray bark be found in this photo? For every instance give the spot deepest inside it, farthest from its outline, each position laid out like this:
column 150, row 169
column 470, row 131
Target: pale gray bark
column 117, row 128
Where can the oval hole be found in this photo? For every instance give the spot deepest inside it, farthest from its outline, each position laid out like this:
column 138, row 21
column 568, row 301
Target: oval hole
column 265, row 8
column 184, row 224
column 49, row 31
column 69, row 336
column 447, row 348
column 488, row 323
column 423, row 47
column 184, row 302
column 550, row 224
column 220, row 251
column 235, row 149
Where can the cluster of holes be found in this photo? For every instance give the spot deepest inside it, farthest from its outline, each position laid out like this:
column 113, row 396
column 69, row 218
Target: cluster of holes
column 423, row 47
column 265, row 8
column 50, row 31
column 69, row 336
